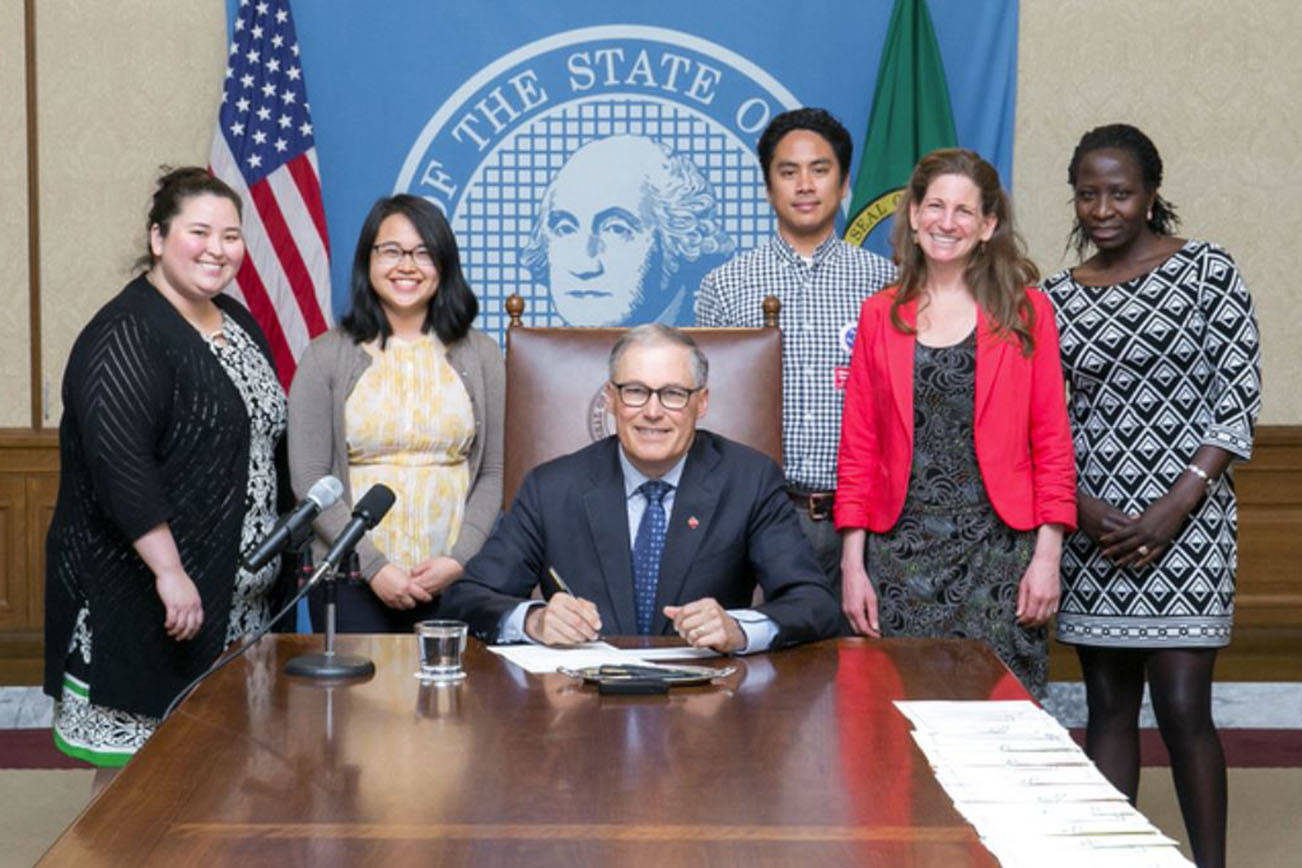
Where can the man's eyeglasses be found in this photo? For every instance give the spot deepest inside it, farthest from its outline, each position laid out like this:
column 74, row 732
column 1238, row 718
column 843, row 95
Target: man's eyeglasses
column 389, row 255
column 671, row 397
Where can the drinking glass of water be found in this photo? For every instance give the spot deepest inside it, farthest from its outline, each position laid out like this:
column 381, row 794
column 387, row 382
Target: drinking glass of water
column 439, row 646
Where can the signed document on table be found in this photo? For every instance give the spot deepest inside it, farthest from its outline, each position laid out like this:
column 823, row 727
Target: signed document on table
column 543, row 658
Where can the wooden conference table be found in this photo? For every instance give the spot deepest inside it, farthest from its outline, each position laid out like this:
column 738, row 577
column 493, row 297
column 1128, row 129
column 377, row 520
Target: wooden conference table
column 797, row 758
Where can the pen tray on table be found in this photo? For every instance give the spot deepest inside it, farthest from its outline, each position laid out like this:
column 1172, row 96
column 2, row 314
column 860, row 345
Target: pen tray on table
column 672, row 676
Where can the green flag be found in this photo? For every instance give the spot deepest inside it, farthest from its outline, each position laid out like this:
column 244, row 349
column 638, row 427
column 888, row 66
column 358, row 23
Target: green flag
column 911, row 116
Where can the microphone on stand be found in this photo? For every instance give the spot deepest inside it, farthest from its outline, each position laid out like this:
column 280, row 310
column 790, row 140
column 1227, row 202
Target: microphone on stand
column 368, row 512
column 366, row 515
column 321, row 496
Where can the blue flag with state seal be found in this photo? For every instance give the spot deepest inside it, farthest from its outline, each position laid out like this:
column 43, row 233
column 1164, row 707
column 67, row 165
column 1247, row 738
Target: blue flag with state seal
column 596, row 158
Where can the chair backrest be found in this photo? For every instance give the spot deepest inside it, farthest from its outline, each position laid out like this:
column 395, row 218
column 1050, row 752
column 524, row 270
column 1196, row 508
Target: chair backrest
column 555, row 402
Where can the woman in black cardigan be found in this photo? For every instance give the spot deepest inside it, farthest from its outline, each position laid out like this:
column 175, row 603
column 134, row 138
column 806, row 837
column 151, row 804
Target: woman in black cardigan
column 172, row 421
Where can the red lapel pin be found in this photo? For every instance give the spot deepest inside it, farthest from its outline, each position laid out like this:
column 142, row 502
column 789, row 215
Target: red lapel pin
column 692, row 522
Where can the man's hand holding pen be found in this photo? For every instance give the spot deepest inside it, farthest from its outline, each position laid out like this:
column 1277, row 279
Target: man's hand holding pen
column 565, row 620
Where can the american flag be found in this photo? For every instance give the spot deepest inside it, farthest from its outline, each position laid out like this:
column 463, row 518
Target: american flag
column 264, row 148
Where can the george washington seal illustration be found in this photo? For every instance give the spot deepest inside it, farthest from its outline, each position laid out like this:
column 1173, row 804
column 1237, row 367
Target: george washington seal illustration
column 600, row 173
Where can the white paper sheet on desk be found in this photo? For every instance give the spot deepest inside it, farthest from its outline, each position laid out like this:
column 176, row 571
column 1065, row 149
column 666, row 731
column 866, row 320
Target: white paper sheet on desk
column 1000, row 750
column 1006, row 716
column 1032, row 814
column 1010, row 793
column 542, row 658
column 979, row 758
column 1022, row 852
column 1064, row 818
column 1012, row 776
column 1052, row 740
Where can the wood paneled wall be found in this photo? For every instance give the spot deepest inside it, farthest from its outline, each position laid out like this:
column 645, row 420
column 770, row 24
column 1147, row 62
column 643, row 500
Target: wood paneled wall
column 29, row 482
column 1267, row 642
column 1270, row 531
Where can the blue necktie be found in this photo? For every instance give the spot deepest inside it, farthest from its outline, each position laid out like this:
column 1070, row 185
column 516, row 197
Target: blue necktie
column 647, row 548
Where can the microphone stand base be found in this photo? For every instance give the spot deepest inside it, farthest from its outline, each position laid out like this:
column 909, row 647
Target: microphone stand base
column 330, row 666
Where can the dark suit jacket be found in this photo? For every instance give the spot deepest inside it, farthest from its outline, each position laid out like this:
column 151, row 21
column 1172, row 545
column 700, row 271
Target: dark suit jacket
column 732, row 527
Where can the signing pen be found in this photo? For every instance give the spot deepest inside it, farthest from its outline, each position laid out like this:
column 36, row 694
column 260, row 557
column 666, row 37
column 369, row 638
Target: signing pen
column 560, row 583
column 565, row 589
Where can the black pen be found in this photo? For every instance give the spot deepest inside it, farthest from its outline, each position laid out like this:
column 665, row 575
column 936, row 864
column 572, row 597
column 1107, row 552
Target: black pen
column 634, row 670
column 560, row 583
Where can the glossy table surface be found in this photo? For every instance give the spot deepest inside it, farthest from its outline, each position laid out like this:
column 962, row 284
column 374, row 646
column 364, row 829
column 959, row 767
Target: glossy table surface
column 797, row 758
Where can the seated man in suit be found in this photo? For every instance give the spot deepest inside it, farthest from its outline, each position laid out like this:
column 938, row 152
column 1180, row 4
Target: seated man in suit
column 662, row 528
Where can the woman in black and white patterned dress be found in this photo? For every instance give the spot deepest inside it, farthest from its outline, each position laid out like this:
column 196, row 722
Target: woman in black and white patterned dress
column 173, row 421
column 1160, row 347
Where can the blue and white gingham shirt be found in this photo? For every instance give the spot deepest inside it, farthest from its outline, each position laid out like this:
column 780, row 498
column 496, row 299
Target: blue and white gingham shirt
column 820, row 310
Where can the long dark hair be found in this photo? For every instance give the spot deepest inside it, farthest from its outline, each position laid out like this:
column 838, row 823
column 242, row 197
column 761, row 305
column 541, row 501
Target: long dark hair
column 997, row 271
column 453, row 307
column 172, row 188
column 1124, row 137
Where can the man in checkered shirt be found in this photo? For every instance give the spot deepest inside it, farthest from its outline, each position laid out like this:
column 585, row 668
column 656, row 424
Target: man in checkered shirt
column 821, row 282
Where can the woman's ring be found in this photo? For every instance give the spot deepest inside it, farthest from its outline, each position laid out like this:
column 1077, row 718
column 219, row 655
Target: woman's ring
column 1143, row 551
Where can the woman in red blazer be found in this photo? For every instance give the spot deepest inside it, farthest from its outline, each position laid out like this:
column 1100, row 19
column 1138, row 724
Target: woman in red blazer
column 956, row 477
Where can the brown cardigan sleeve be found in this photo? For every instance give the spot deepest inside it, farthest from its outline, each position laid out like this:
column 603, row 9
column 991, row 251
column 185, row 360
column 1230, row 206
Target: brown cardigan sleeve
column 316, row 437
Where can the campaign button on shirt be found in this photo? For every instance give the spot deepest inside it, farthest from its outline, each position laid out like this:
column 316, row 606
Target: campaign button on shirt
column 847, row 336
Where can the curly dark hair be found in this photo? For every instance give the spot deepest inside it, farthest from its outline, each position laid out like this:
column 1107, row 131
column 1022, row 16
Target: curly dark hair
column 1132, row 140
column 816, row 120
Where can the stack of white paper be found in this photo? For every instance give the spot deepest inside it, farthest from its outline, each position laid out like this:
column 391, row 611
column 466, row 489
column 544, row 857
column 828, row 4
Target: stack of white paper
column 1033, row 796
column 544, row 658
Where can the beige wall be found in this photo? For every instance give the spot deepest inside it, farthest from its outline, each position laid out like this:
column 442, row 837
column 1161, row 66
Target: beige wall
column 15, row 367
column 126, row 86
column 1215, row 85
column 122, row 88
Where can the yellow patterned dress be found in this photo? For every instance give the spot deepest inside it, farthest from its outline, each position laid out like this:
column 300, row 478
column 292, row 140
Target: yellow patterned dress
column 410, row 426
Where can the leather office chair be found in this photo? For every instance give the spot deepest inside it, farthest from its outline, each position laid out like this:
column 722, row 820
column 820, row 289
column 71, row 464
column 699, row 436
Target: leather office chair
column 555, row 402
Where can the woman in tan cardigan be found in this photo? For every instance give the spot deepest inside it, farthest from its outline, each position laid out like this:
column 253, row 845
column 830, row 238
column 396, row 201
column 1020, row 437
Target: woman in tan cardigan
column 405, row 393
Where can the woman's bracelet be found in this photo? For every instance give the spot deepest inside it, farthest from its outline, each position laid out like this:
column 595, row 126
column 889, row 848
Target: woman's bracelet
column 1201, row 474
